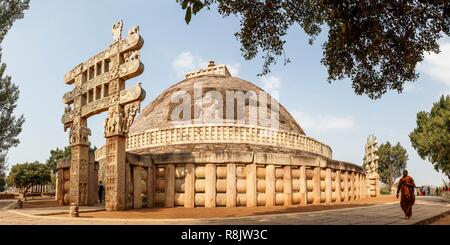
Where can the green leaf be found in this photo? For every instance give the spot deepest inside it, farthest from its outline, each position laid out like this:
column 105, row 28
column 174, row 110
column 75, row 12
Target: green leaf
column 184, row 4
column 188, row 16
column 198, row 5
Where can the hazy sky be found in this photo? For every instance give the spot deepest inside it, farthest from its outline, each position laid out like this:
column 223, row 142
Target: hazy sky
column 56, row 35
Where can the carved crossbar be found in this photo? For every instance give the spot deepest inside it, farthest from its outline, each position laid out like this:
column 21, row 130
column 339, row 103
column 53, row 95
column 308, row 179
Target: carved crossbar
column 99, row 81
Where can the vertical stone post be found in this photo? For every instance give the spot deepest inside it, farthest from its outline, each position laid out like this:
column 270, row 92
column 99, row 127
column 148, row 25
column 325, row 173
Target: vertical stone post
column 93, row 180
column 359, row 187
column 189, row 186
column 59, row 192
column 151, row 186
column 231, row 185
column 287, row 179
column 251, row 185
column 270, row 185
column 316, row 185
column 210, row 185
column 352, row 186
column 328, row 186
column 358, row 193
column 79, row 174
column 303, row 190
column 365, row 187
column 377, row 187
column 338, row 186
column 346, row 185
column 115, row 171
column 356, row 186
column 137, row 186
column 363, row 194
column 169, row 200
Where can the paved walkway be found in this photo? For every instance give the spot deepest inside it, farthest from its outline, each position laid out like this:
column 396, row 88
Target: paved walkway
column 384, row 214
column 6, row 203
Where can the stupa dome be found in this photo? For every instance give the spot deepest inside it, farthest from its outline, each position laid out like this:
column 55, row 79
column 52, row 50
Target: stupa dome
column 160, row 133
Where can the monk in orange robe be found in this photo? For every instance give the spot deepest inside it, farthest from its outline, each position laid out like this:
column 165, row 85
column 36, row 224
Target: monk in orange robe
column 406, row 187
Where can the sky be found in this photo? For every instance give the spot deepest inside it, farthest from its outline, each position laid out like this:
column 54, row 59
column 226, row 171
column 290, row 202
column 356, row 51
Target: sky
column 57, row 35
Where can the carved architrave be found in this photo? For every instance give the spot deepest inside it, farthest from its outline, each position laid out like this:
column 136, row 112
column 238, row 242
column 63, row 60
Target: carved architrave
column 84, row 102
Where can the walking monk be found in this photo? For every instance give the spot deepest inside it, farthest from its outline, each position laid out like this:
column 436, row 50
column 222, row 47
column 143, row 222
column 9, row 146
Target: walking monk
column 406, row 186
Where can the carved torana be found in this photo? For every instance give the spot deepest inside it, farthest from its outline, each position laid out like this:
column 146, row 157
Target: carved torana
column 99, row 86
column 371, row 166
column 371, row 157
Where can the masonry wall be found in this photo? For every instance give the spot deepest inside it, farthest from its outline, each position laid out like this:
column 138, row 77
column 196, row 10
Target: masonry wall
column 63, row 181
column 266, row 180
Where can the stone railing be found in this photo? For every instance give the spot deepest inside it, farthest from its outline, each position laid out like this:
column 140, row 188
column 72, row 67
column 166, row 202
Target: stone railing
column 100, row 153
column 196, row 134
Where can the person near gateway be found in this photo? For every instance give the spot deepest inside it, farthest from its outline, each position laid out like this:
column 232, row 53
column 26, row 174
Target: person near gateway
column 406, row 187
column 101, row 190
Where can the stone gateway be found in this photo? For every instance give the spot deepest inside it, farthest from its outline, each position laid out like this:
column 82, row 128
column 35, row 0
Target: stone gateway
column 100, row 86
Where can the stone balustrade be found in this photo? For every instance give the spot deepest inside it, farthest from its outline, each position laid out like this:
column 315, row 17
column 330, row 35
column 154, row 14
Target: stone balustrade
column 232, row 179
column 100, row 153
column 227, row 134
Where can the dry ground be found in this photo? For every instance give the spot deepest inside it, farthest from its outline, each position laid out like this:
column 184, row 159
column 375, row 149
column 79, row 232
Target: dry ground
column 442, row 221
column 180, row 213
column 40, row 203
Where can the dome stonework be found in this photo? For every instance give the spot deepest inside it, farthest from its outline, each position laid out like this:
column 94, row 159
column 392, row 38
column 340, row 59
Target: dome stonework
column 154, row 131
column 157, row 113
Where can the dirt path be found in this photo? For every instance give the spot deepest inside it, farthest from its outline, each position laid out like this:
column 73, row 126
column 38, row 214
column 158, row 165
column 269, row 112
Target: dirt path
column 184, row 213
column 442, row 221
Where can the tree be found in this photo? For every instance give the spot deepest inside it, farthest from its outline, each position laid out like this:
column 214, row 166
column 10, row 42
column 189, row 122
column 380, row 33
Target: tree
column 10, row 126
column 431, row 137
column 10, row 11
column 24, row 176
column 2, row 173
column 392, row 162
column 2, row 183
column 377, row 44
column 58, row 154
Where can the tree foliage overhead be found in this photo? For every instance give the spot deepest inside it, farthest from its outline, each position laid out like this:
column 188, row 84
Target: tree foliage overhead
column 431, row 137
column 10, row 11
column 392, row 162
column 24, row 176
column 2, row 172
column 10, row 125
column 377, row 44
column 2, row 183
